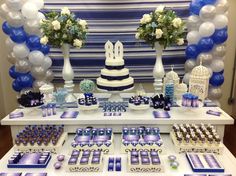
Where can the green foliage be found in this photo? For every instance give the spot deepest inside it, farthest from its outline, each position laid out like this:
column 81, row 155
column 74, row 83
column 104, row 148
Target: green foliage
column 167, row 21
column 69, row 30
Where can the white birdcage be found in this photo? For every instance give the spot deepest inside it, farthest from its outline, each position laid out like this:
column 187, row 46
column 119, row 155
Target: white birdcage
column 199, row 81
column 171, row 77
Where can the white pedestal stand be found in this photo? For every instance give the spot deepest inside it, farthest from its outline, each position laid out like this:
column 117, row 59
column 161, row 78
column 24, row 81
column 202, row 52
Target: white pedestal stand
column 158, row 71
column 68, row 74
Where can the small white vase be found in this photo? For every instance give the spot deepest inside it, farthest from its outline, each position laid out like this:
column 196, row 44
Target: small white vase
column 68, row 74
column 158, row 71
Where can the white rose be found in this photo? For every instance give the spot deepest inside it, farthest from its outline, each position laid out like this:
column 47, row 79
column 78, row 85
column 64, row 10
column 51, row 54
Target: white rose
column 159, row 33
column 177, row 22
column 44, row 40
column 137, row 35
column 56, row 25
column 180, row 41
column 83, row 23
column 146, row 19
column 78, row 43
column 65, row 11
column 160, row 18
column 160, row 9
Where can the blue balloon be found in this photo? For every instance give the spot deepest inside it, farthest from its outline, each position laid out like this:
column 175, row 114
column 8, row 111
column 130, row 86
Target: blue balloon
column 25, row 81
column 18, row 35
column 45, row 49
column 217, row 79
column 220, row 36
column 209, row 2
column 196, row 6
column 205, row 44
column 192, row 51
column 13, row 73
column 16, row 86
column 6, row 28
column 33, row 42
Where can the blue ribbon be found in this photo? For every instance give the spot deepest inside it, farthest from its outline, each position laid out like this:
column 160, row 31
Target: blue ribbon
column 115, row 67
column 112, row 78
column 115, row 88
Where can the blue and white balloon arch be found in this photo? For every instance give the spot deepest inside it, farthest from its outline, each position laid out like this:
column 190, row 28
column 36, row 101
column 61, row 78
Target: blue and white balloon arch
column 29, row 57
column 207, row 34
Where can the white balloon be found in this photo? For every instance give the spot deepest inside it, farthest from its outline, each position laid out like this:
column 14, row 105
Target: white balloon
column 15, row 19
column 219, row 50
column 189, row 65
column 217, row 65
column 29, row 10
column 193, row 37
column 36, row 58
column 4, row 10
column 221, row 6
column 38, row 83
column 11, row 58
column 193, row 22
column 210, row 70
column 41, row 16
column 32, row 27
column 206, row 58
column 47, row 63
column 38, row 72
column 39, row 3
column 21, row 51
column 23, row 66
column 14, row 4
column 206, row 29
column 220, row 21
column 207, row 12
column 186, row 78
column 215, row 93
column 9, row 44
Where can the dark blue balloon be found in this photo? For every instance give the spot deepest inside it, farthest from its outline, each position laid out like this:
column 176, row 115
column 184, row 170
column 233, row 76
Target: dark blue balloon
column 33, row 42
column 25, row 81
column 14, row 74
column 192, row 51
column 217, row 79
column 195, row 6
column 220, row 36
column 205, row 44
column 45, row 49
column 18, row 35
column 221, row 72
column 6, row 28
column 16, row 86
column 209, row 2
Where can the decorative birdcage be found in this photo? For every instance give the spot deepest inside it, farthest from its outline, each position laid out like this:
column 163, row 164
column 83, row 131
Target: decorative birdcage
column 199, row 81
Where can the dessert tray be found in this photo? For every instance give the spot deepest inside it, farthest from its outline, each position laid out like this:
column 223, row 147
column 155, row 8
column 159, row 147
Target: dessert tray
column 94, row 139
column 144, row 161
column 192, row 138
column 85, row 161
column 141, row 139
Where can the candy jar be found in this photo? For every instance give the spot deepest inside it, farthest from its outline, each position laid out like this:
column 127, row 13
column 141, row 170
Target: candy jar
column 47, row 91
column 60, row 96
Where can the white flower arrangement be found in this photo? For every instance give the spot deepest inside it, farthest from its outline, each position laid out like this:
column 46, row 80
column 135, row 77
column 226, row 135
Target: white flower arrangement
column 63, row 28
column 162, row 26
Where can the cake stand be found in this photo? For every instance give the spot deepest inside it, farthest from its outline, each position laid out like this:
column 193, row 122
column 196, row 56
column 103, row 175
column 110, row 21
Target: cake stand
column 115, row 95
column 189, row 109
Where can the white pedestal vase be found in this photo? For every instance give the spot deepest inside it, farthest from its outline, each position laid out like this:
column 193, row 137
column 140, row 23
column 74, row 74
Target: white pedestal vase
column 68, row 74
column 158, row 71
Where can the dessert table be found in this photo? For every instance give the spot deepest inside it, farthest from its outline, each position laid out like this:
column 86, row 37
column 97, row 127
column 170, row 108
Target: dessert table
column 129, row 118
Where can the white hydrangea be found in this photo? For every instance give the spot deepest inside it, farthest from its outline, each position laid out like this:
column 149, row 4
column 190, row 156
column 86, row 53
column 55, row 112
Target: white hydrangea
column 159, row 33
column 137, row 35
column 177, row 22
column 159, row 9
column 180, row 41
column 83, row 23
column 65, row 11
column 146, row 19
column 78, row 43
column 44, row 40
column 56, row 25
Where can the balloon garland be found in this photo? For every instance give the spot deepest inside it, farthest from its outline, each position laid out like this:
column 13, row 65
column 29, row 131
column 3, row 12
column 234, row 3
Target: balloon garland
column 207, row 34
column 29, row 57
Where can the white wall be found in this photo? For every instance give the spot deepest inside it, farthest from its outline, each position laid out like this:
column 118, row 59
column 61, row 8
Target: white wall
column 8, row 96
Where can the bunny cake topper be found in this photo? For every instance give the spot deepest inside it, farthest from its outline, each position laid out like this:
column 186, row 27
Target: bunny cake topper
column 114, row 55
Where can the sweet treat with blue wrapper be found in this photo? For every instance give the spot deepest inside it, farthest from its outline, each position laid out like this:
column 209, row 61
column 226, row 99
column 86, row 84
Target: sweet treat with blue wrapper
column 190, row 100
column 31, row 99
column 139, row 102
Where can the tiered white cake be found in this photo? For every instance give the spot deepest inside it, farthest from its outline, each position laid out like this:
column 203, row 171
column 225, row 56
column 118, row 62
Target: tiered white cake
column 114, row 77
